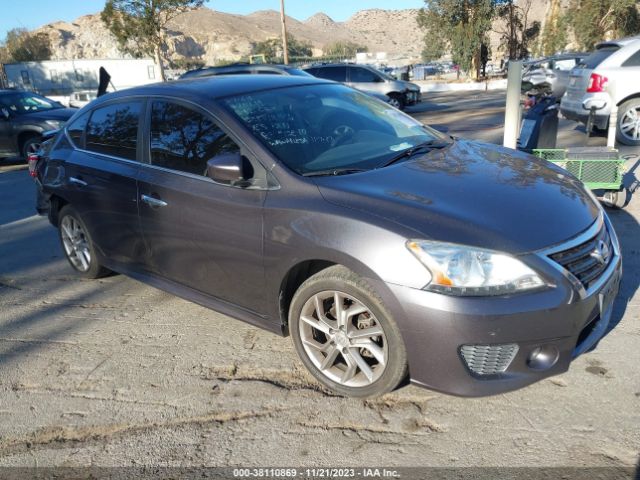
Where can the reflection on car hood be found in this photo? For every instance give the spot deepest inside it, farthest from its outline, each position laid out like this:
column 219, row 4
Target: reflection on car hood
column 474, row 194
column 61, row 114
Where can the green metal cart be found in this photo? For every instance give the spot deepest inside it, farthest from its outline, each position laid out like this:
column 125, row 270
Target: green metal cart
column 599, row 169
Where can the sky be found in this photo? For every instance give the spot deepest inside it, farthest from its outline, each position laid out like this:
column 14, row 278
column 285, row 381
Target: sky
column 34, row 13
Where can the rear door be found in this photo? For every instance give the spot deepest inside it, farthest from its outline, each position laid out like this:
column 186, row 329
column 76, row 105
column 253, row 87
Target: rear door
column 101, row 166
column 199, row 233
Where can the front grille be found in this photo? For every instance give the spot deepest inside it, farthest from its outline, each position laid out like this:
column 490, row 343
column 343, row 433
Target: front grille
column 488, row 359
column 588, row 260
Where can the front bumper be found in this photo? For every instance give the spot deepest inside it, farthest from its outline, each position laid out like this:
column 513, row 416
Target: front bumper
column 562, row 320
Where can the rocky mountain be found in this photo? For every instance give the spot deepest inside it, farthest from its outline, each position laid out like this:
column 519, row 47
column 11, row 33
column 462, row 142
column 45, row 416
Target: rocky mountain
column 212, row 36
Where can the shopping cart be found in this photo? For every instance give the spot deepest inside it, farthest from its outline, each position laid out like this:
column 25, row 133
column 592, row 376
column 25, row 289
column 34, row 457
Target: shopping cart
column 599, row 168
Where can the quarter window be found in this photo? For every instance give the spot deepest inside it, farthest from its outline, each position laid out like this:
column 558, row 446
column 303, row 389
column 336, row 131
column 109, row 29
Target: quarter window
column 113, row 130
column 76, row 130
column 184, row 140
column 633, row 60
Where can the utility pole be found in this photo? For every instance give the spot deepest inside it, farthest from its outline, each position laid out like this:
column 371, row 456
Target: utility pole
column 285, row 50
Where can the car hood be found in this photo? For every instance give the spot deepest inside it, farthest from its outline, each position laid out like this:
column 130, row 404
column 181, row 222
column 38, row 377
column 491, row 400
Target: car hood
column 408, row 85
column 61, row 114
column 473, row 194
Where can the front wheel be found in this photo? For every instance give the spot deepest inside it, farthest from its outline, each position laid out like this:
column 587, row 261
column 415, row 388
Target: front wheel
column 615, row 199
column 345, row 336
column 396, row 100
column 31, row 145
column 77, row 244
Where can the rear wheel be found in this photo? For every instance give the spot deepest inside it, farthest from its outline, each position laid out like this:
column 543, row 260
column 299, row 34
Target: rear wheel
column 628, row 128
column 345, row 336
column 77, row 244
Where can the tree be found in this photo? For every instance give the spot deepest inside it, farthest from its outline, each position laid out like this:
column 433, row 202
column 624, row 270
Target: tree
column 22, row 46
column 345, row 49
column 462, row 25
column 515, row 29
column 595, row 20
column 555, row 36
column 140, row 26
column 272, row 48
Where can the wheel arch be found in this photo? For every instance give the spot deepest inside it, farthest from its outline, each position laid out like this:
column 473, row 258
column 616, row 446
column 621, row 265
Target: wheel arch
column 56, row 204
column 630, row 97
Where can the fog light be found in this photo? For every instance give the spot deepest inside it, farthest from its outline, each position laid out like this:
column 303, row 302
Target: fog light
column 543, row 358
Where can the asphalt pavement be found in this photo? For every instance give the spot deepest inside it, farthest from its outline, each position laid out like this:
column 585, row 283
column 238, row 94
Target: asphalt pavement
column 112, row 372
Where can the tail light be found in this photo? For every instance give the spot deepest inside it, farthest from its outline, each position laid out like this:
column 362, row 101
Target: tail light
column 32, row 160
column 597, row 83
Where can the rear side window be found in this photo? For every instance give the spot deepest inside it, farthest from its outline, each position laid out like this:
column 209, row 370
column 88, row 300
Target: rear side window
column 599, row 56
column 113, row 130
column 337, row 74
column 633, row 60
column 184, row 140
column 362, row 75
column 76, row 130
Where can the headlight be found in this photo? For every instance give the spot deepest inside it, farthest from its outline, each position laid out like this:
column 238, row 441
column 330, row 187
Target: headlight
column 468, row 271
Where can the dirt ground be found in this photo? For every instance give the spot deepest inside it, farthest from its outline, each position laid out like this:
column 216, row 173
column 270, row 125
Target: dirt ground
column 116, row 373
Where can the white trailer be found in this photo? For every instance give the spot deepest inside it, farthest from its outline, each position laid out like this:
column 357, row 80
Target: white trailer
column 60, row 79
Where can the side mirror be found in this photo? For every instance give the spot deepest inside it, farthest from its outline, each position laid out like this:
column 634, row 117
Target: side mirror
column 229, row 168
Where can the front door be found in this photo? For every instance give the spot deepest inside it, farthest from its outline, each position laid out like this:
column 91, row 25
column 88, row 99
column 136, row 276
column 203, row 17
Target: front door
column 199, row 233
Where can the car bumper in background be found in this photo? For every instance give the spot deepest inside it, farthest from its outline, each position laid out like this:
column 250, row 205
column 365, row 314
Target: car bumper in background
column 573, row 109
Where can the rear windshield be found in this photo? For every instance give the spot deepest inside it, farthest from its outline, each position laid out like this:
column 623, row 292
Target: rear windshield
column 599, row 56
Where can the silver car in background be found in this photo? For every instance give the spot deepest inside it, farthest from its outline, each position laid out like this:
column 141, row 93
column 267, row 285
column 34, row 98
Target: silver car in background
column 608, row 77
column 368, row 79
column 553, row 71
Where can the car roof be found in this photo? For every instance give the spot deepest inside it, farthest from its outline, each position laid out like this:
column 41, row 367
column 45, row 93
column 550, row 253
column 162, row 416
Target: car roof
column 235, row 67
column 619, row 43
column 215, row 87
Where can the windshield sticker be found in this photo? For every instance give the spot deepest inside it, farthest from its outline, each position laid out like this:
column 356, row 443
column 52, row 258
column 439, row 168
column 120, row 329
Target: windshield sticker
column 400, row 146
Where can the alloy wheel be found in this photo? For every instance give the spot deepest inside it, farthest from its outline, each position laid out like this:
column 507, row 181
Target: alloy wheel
column 630, row 123
column 76, row 245
column 343, row 339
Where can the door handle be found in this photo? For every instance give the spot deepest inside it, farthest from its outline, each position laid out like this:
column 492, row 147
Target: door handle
column 77, row 181
column 153, row 202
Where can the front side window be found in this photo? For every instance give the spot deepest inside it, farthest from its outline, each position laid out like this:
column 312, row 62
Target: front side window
column 184, row 140
column 362, row 75
column 314, row 128
column 113, row 130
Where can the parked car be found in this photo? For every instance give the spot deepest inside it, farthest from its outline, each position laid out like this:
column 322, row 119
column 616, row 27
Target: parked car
column 553, row 71
column 24, row 116
column 82, row 98
column 307, row 208
column 364, row 77
column 244, row 68
column 608, row 77
column 261, row 68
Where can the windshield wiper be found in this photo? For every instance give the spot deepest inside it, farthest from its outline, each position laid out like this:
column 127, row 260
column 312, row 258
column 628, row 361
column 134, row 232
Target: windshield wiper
column 331, row 172
column 423, row 147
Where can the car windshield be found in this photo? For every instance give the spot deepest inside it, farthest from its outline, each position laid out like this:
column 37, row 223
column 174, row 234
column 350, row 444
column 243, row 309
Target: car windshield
column 317, row 128
column 24, row 102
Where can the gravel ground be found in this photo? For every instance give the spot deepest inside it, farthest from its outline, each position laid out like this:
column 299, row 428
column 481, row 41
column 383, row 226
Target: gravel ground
column 115, row 373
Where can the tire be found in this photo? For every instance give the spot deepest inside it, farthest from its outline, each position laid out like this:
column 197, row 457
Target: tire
column 331, row 353
column 77, row 244
column 31, row 145
column 396, row 100
column 628, row 128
